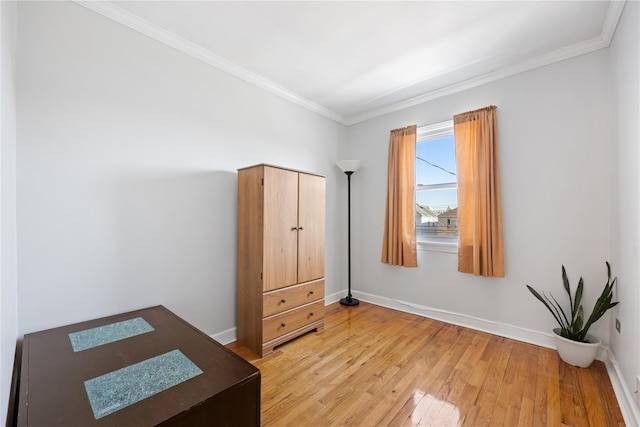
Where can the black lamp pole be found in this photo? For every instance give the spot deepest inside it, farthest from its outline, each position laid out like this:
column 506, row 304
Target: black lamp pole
column 349, row 300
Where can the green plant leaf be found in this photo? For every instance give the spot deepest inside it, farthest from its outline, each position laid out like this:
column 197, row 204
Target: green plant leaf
column 565, row 282
column 578, row 322
column 548, row 305
column 602, row 305
column 577, row 329
column 559, row 310
column 578, row 299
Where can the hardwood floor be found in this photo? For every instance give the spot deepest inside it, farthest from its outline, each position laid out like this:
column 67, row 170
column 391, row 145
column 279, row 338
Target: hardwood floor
column 373, row 366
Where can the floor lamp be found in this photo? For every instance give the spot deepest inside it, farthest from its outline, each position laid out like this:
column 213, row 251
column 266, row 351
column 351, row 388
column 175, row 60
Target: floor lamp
column 349, row 167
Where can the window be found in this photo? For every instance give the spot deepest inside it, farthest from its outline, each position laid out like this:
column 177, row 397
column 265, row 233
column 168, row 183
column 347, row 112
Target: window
column 436, row 187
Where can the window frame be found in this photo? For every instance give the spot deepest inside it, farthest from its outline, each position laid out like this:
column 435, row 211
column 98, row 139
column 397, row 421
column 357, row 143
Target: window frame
column 424, row 134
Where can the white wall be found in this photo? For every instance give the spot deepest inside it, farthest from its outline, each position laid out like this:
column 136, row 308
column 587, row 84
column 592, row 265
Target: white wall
column 127, row 152
column 553, row 129
column 127, row 160
column 8, row 263
column 625, row 209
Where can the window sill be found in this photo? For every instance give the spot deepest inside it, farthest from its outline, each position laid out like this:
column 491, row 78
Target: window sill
column 448, row 247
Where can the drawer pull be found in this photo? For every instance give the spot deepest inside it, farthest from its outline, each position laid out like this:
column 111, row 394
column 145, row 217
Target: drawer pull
column 283, row 324
column 311, row 314
column 310, row 292
column 283, row 300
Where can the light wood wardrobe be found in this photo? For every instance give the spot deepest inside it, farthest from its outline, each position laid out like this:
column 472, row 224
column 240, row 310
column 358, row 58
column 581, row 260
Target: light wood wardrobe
column 281, row 217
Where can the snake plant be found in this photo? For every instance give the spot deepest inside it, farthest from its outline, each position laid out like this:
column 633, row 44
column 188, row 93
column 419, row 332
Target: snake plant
column 574, row 327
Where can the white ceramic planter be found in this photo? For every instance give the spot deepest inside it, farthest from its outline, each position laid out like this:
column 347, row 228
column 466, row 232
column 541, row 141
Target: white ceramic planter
column 577, row 353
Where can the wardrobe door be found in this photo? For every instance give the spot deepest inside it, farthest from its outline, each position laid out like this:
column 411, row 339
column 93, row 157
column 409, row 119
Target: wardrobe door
column 311, row 219
column 280, row 228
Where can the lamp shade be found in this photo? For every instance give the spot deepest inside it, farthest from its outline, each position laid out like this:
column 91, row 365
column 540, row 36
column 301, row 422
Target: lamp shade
column 348, row 165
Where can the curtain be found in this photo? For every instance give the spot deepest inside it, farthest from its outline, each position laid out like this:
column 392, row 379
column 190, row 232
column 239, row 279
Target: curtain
column 481, row 249
column 399, row 240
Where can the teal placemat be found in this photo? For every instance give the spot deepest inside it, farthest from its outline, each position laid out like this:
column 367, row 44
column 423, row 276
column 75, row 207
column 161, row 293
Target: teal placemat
column 118, row 389
column 106, row 334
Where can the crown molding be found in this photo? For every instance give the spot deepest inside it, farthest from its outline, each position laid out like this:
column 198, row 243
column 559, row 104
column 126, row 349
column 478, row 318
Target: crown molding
column 611, row 20
column 527, row 65
column 600, row 42
column 111, row 11
column 157, row 33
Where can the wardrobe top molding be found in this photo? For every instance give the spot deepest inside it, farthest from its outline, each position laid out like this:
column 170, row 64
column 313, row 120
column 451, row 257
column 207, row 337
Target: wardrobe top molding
column 280, row 167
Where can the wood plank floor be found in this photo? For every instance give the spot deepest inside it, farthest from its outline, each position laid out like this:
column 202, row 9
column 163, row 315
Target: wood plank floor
column 373, row 366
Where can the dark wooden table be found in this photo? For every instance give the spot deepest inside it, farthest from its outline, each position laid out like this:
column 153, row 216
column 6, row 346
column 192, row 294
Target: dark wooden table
column 52, row 389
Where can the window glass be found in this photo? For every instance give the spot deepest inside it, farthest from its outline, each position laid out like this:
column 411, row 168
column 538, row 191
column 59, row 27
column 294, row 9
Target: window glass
column 435, row 161
column 436, row 185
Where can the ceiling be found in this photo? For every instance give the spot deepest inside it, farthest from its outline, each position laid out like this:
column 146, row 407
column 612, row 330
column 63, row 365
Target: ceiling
column 351, row 61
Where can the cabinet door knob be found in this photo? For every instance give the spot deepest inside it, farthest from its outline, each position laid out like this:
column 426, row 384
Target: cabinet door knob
column 294, row 228
column 283, row 324
column 299, row 228
column 283, row 300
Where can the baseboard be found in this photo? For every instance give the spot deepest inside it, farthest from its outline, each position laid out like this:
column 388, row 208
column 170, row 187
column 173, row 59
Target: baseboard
column 521, row 334
column 335, row 297
column 628, row 407
column 226, row 337
column 495, row 328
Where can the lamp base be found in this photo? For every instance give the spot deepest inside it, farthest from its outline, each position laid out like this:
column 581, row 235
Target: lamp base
column 349, row 301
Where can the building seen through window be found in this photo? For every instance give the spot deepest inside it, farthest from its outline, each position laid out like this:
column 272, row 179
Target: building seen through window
column 436, row 184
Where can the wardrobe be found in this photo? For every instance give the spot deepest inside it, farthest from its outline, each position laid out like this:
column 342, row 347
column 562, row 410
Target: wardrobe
column 281, row 238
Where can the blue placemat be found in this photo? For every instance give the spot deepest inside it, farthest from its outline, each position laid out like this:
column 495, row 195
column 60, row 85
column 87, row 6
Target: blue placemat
column 118, row 389
column 106, row 334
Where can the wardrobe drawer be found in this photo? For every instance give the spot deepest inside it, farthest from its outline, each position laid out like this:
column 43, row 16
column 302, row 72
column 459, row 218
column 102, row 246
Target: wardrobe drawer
column 294, row 296
column 280, row 324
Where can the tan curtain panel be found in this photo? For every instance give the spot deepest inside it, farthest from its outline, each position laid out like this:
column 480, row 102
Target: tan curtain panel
column 399, row 240
column 481, row 249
